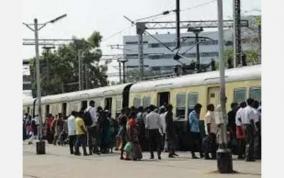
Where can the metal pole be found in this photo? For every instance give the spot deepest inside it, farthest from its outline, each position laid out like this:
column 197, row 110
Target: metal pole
column 119, row 70
column 237, row 32
column 259, row 37
column 123, row 70
column 38, row 79
column 224, row 157
column 197, row 52
column 140, row 55
column 178, row 23
column 79, row 69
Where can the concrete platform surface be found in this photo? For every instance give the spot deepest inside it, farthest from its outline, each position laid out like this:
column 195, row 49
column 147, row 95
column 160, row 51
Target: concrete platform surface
column 58, row 163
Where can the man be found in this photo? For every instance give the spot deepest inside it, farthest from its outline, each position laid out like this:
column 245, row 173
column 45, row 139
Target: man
column 211, row 131
column 231, row 127
column 240, row 133
column 257, row 143
column 81, row 133
column 91, row 112
column 249, row 116
column 72, row 130
column 163, row 114
column 121, row 135
column 153, row 124
column 170, row 131
column 48, row 122
column 195, row 130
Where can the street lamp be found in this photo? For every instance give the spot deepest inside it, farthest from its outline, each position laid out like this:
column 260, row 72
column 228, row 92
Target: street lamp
column 40, row 146
column 123, row 61
column 224, row 156
column 196, row 31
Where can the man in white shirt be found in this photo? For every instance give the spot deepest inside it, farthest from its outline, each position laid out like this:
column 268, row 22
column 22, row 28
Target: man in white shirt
column 240, row 133
column 211, row 131
column 162, row 130
column 92, row 130
column 153, row 124
column 248, row 121
column 71, row 131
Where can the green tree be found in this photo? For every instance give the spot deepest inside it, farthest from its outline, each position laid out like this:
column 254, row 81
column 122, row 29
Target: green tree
column 60, row 68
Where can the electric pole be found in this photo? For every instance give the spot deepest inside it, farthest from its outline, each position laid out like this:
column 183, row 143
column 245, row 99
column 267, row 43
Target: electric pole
column 237, row 32
column 40, row 146
column 224, row 156
column 140, row 29
column 178, row 23
column 79, row 69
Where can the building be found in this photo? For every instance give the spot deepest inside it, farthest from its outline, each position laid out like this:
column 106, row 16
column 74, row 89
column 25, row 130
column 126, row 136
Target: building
column 160, row 60
column 27, row 84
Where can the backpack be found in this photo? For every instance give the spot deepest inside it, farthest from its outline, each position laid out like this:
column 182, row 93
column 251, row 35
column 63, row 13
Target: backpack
column 88, row 119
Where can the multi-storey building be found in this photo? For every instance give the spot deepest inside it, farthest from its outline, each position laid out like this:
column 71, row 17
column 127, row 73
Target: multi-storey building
column 158, row 59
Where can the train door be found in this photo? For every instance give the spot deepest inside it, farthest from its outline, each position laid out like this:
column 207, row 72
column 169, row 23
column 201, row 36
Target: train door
column 84, row 104
column 47, row 110
column 125, row 96
column 163, row 98
column 108, row 104
column 64, row 109
column 213, row 96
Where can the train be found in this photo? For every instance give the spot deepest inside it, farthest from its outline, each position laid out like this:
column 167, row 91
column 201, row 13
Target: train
column 183, row 92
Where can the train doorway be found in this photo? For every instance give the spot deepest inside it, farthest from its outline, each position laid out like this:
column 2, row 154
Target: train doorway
column 125, row 94
column 163, row 98
column 213, row 96
column 64, row 109
column 46, row 110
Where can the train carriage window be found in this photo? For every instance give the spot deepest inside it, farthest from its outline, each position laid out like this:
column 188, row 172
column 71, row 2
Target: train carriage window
column 180, row 105
column 136, row 102
column 192, row 101
column 108, row 104
column 146, row 101
column 255, row 93
column 239, row 95
column 118, row 106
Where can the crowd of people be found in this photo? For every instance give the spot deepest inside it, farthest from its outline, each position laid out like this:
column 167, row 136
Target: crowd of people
column 151, row 128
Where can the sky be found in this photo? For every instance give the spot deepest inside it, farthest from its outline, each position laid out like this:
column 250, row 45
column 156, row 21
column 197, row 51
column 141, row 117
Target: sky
column 106, row 16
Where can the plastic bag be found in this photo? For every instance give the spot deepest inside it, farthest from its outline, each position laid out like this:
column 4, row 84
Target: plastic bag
column 128, row 147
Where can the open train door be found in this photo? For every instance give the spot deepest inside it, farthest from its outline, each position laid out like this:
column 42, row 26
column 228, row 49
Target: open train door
column 213, row 96
column 163, row 98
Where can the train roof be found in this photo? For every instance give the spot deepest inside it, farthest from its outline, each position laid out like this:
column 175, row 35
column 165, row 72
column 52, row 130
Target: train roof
column 236, row 74
column 81, row 95
column 86, row 94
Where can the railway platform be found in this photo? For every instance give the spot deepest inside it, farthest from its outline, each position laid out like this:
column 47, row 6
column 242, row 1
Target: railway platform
column 58, row 163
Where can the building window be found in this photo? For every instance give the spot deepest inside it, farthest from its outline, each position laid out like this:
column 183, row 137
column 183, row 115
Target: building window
column 131, row 42
column 239, row 95
column 255, row 93
column 180, row 105
column 155, row 57
column 132, row 56
column 156, row 68
column 192, row 101
column 154, row 45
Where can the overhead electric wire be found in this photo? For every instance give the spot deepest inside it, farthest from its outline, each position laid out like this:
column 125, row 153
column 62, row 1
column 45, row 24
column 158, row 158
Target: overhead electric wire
column 198, row 5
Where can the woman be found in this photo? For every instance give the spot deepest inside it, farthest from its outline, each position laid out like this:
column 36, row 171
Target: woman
column 105, row 130
column 132, row 137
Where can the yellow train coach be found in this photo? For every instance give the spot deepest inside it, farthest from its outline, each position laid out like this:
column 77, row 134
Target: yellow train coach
column 204, row 88
column 182, row 92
